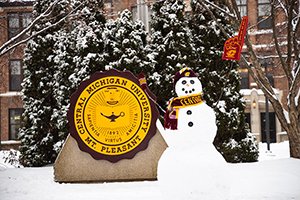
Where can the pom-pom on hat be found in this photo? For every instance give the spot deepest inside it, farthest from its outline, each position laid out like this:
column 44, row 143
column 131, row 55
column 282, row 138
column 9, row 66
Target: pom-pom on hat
column 184, row 72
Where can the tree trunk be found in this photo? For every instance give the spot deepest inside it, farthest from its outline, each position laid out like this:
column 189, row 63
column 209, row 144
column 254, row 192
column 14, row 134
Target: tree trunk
column 294, row 142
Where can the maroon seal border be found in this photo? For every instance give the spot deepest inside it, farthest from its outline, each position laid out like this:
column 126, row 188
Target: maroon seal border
column 72, row 129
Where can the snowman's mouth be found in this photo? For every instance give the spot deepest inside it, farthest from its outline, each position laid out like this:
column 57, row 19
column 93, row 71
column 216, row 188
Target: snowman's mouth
column 188, row 91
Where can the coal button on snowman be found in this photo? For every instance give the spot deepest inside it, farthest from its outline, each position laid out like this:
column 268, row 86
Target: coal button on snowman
column 189, row 112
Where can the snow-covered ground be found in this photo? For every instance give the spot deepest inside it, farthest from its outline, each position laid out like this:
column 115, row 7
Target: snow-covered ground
column 274, row 177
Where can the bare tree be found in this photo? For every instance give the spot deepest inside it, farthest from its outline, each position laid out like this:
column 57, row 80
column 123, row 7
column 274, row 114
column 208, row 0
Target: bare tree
column 285, row 30
column 24, row 36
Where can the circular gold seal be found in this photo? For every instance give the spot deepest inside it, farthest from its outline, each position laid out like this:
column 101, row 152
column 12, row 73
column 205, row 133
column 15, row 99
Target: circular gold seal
column 111, row 116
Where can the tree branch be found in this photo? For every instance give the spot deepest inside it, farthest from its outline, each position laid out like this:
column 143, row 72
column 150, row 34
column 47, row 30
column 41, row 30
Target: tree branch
column 9, row 45
column 295, row 74
column 277, row 47
column 289, row 33
column 214, row 18
column 283, row 7
column 232, row 3
column 220, row 9
column 5, row 47
column 296, row 34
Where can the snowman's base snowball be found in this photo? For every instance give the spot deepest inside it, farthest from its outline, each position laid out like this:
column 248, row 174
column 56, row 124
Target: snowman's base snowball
column 185, row 176
column 191, row 168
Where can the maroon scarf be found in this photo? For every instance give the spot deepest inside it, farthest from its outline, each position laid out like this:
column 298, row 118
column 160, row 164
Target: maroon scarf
column 171, row 115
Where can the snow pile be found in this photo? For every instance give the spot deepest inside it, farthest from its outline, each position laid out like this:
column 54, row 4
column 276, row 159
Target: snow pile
column 274, row 179
column 277, row 151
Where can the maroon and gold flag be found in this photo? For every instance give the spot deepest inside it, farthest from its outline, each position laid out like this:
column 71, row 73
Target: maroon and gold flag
column 233, row 46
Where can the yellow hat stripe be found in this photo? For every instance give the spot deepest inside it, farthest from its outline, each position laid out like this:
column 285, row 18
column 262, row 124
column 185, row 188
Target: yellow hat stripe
column 183, row 69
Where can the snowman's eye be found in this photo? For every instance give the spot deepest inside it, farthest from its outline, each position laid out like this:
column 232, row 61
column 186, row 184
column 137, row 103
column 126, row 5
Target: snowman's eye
column 183, row 82
column 192, row 81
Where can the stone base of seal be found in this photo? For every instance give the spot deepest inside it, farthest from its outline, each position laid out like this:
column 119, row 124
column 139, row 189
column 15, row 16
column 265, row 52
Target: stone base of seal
column 72, row 165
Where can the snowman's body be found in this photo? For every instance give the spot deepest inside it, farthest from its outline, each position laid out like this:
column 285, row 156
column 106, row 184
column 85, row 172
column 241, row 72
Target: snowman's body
column 196, row 123
column 195, row 163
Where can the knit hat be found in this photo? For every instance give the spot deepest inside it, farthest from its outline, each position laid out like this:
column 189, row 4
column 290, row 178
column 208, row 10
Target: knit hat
column 184, row 72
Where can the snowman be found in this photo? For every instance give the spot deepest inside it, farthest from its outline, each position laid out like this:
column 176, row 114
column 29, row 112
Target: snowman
column 191, row 161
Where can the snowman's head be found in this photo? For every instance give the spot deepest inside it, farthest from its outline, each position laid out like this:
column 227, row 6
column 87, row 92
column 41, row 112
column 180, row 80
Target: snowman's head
column 188, row 86
column 187, row 83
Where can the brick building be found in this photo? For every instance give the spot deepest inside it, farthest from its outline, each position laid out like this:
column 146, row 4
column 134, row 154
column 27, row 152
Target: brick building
column 16, row 15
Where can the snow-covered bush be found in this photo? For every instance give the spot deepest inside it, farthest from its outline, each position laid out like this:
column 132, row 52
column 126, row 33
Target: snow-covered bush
column 170, row 47
column 11, row 157
column 78, row 54
column 39, row 133
column 55, row 63
column 245, row 150
column 125, row 42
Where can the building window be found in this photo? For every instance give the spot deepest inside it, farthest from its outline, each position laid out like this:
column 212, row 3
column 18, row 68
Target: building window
column 244, row 78
column 244, row 73
column 266, row 62
column 15, row 75
column 17, row 22
column 15, row 122
column 264, row 14
column 242, row 6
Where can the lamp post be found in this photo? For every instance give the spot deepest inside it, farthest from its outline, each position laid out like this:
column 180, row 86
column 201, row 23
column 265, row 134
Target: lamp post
column 267, row 124
column 267, row 117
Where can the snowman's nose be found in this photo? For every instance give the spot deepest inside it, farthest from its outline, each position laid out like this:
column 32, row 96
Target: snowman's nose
column 188, row 85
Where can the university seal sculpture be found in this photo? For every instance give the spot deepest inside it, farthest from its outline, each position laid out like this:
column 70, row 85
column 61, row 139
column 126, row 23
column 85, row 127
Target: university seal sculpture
column 112, row 118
